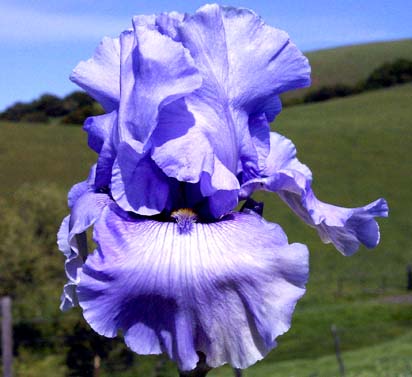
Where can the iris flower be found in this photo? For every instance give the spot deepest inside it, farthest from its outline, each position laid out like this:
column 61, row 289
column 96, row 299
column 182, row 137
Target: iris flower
column 185, row 137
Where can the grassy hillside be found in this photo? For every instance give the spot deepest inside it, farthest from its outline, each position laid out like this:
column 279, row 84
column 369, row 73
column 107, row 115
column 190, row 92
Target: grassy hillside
column 358, row 149
column 35, row 153
column 350, row 64
column 388, row 359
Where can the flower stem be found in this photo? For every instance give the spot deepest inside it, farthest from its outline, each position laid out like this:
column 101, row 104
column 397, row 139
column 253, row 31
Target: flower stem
column 201, row 370
column 194, row 373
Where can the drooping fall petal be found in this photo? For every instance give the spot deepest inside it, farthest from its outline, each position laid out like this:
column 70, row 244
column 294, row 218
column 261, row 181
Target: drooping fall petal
column 227, row 289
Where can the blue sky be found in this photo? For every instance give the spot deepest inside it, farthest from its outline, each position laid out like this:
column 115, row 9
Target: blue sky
column 41, row 41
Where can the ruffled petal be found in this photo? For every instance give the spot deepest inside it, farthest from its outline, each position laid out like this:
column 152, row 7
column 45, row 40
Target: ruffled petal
column 63, row 237
column 84, row 214
column 226, row 289
column 138, row 185
column 245, row 65
column 81, row 188
column 346, row 228
column 104, row 166
column 103, row 139
column 221, row 187
column 250, row 60
column 200, row 130
column 69, row 297
column 254, row 162
column 100, row 75
column 190, row 153
column 99, row 129
column 220, row 120
column 277, row 67
column 72, row 240
column 168, row 23
column 155, row 71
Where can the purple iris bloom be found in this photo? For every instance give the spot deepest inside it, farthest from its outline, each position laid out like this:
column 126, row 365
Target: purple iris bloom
column 185, row 137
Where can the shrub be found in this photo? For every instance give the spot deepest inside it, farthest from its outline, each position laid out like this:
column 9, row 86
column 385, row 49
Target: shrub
column 50, row 105
column 327, row 92
column 77, row 100
column 15, row 112
column 76, row 106
column 79, row 116
column 398, row 72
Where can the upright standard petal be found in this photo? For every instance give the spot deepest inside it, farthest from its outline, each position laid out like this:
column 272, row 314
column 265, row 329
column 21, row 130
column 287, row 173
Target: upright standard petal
column 227, row 47
column 100, row 75
column 155, row 71
column 346, row 228
column 246, row 59
column 191, row 152
column 226, row 289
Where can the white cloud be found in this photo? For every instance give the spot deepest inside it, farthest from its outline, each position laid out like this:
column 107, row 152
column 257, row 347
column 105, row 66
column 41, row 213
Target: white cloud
column 21, row 25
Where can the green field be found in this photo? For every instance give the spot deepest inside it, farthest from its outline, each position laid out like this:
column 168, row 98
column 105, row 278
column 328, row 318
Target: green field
column 388, row 359
column 358, row 149
column 35, row 153
column 353, row 63
column 350, row 64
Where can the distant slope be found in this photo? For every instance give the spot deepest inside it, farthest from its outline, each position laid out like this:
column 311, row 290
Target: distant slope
column 36, row 153
column 350, row 64
column 353, row 63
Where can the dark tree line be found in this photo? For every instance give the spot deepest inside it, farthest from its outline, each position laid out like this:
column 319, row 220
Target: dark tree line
column 72, row 109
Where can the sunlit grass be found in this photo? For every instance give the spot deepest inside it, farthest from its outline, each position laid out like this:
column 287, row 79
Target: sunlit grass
column 388, row 359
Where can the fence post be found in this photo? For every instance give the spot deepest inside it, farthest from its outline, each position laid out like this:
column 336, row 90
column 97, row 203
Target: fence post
column 409, row 277
column 6, row 336
column 238, row 372
column 339, row 287
column 96, row 365
column 337, row 350
column 383, row 283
